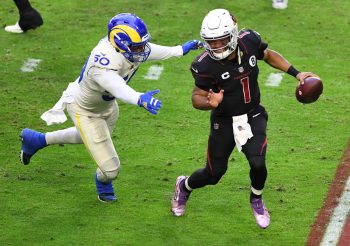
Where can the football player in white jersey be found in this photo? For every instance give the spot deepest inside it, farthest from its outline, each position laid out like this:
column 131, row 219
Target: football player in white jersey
column 90, row 100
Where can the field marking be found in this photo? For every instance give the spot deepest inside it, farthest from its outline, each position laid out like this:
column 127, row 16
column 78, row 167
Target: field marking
column 30, row 65
column 338, row 218
column 344, row 239
column 274, row 79
column 338, row 190
column 154, row 72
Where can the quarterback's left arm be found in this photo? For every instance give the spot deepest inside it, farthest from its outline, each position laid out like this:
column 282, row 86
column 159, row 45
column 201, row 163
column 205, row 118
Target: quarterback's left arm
column 206, row 100
column 160, row 52
column 277, row 61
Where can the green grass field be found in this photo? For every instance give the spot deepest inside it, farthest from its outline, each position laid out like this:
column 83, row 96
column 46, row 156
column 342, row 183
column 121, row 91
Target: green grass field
column 53, row 200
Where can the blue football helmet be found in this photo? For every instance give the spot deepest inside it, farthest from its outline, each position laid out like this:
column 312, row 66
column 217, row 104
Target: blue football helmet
column 129, row 35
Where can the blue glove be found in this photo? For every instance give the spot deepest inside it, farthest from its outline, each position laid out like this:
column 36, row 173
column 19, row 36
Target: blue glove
column 191, row 45
column 150, row 103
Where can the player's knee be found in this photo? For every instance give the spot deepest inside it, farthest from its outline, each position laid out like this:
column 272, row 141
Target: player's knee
column 109, row 170
column 111, row 175
column 216, row 176
column 214, row 180
column 257, row 163
column 112, row 168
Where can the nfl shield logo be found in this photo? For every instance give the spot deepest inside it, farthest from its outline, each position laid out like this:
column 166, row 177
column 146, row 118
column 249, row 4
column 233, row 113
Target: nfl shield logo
column 241, row 69
column 216, row 126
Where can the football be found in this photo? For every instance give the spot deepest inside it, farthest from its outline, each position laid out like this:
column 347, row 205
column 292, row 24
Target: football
column 310, row 91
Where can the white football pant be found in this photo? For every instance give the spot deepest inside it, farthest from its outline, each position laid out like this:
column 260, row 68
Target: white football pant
column 96, row 135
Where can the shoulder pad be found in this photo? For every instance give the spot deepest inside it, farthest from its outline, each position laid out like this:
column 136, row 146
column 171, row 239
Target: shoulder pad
column 105, row 56
column 248, row 34
column 201, row 63
column 202, row 56
column 243, row 33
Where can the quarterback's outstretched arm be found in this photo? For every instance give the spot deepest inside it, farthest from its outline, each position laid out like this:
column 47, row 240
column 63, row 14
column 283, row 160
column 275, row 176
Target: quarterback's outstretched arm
column 276, row 60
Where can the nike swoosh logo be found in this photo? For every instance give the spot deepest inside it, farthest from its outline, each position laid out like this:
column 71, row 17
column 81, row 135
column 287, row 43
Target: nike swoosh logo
column 255, row 115
column 195, row 70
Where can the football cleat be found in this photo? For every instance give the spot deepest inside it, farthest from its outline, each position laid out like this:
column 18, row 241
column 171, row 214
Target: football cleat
column 105, row 191
column 279, row 4
column 29, row 19
column 178, row 202
column 14, row 28
column 32, row 141
column 260, row 212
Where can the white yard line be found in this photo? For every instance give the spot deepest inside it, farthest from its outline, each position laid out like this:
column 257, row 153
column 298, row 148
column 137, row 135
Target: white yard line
column 338, row 219
column 30, row 65
column 154, row 72
column 274, row 79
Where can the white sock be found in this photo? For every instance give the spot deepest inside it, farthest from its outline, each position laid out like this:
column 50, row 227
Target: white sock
column 65, row 136
column 256, row 192
column 187, row 186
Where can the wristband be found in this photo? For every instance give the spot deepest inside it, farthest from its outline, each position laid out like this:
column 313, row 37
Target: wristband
column 292, row 71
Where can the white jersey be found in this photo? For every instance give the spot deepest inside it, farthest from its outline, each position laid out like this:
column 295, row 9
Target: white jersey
column 106, row 74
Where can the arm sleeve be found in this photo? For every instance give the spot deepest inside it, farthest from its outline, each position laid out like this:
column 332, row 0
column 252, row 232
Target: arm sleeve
column 115, row 85
column 159, row 52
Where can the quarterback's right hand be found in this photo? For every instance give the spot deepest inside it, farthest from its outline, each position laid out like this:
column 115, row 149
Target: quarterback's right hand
column 150, row 103
column 303, row 75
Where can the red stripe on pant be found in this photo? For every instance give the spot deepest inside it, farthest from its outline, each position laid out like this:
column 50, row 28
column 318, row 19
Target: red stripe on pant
column 208, row 160
column 263, row 146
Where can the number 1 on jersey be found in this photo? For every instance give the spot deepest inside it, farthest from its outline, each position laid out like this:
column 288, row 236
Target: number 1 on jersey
column 246, row 90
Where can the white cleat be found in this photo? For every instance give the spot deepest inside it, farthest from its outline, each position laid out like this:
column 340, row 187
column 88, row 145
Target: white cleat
column 14, row 28
column 279, row 4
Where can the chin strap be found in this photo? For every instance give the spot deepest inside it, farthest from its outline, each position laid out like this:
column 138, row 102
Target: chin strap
column 239, row 55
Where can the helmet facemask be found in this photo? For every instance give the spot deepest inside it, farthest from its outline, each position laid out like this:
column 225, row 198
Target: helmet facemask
column 137, row 52
column 219, row 27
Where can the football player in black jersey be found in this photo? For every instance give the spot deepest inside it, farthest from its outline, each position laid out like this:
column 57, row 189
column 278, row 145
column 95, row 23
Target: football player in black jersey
column 29, row 18
column 226, row 82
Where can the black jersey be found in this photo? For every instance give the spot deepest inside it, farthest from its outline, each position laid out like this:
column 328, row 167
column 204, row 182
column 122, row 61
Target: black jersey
column 238, row 80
